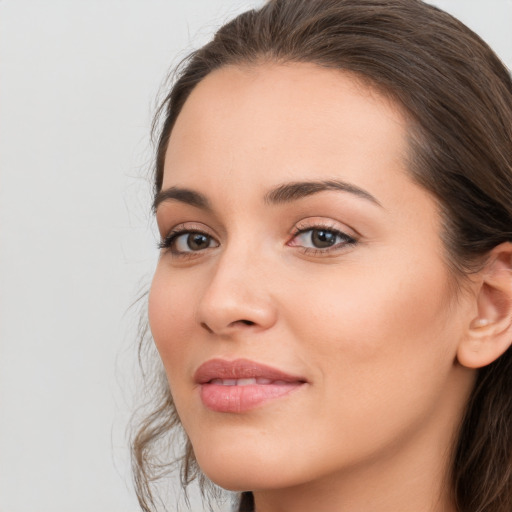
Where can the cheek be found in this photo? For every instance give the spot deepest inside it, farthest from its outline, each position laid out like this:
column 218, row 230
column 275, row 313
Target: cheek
column 381, row 344
column 371, row 307
column 170, row 311
column 379, row 332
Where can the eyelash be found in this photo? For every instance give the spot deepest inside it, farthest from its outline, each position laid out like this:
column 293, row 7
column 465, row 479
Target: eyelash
column 346, row 240
column 168, row 242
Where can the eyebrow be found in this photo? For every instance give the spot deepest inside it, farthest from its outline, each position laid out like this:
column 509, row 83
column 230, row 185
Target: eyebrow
column 288, row 192
column 285, row 193
column 183, row 195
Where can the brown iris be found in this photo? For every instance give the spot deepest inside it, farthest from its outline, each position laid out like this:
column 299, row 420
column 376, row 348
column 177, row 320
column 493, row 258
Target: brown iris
column 322, row 238
column 198, row 241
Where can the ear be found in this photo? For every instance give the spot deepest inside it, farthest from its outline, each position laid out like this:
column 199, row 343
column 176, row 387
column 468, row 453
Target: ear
column 489, row 333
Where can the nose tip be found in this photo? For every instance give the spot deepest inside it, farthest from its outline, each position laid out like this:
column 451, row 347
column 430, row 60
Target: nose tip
column 228, row 306
column 219, row 319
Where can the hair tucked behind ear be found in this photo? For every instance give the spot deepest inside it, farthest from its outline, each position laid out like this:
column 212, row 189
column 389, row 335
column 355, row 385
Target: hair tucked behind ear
column 458, row 97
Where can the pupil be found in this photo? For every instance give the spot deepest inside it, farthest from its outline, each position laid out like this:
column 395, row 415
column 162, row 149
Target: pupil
column 321, row 238
column 197, row 241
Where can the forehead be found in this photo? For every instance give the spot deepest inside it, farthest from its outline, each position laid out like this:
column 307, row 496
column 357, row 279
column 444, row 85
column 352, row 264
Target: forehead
column 271, row 122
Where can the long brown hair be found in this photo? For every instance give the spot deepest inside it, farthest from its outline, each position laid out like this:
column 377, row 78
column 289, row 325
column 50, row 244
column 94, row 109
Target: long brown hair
column 458, row 99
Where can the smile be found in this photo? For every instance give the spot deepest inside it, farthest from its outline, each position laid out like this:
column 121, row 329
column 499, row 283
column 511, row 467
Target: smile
column 241, row 385
column 247, row 382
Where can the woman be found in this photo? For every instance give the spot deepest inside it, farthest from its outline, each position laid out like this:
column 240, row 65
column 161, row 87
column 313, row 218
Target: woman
column 333, row 299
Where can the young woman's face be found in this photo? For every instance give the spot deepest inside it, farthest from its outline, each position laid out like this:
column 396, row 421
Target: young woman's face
column 302, row 305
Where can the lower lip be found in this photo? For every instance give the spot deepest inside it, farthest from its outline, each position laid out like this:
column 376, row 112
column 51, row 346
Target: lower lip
column 238, row 399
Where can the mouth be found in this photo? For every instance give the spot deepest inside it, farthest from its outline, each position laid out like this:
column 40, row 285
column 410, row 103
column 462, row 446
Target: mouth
column 247, row 382
column 241, row 385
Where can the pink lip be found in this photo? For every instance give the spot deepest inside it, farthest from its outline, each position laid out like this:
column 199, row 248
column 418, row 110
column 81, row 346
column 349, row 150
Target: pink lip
column 219, row 393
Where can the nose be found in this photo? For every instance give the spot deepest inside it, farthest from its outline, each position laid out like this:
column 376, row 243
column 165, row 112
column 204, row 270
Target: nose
column 238, row 297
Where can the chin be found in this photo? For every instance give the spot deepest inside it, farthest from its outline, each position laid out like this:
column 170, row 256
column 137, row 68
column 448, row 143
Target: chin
column 245, row 471
column 244, row 479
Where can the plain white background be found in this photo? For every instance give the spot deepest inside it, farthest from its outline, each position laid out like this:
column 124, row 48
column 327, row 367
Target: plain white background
column 78, row 86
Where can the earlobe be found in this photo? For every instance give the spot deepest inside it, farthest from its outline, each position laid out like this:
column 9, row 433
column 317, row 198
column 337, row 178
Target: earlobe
column 489, row 333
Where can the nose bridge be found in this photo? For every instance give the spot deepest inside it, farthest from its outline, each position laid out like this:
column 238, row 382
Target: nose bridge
column 238, row 293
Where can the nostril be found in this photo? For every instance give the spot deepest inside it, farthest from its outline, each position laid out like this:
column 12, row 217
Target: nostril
column 204, row 326
column 241, row 322
column 236, row 323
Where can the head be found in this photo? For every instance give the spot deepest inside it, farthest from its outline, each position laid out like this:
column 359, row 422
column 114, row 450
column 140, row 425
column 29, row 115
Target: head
column 436, row 104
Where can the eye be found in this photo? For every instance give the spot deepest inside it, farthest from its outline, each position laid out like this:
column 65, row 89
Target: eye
column 321, row 239
column 185, row 242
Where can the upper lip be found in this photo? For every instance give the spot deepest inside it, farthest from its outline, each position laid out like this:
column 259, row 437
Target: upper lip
column 240, row 369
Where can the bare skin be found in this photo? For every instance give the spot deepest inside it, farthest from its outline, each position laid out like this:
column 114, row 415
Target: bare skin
column 346, row 286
